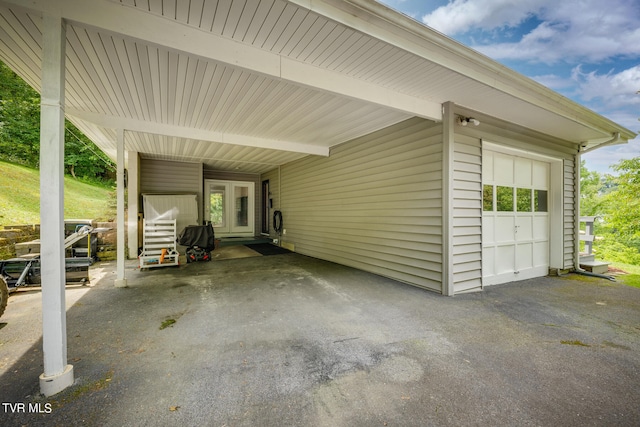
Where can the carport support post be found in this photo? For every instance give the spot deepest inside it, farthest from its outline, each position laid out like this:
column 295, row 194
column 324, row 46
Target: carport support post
column 133, row 166
column 448, row 140
column 57, row 374
column 121, row 281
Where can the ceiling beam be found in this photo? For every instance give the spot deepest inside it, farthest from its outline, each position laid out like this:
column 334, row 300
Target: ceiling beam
column 135, row 125
column 131, row 22
column 209, row 160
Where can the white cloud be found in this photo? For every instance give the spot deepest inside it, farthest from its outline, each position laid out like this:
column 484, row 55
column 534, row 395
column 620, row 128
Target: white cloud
column 460, row 16
column 557, row 36
column 602, row 159
column 613, row 96
column 589, row 30
column 613, row 90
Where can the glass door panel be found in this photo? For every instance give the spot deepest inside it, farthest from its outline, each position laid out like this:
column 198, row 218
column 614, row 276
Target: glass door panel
column 229, row 205
column 243, row 211
column 217, row 201
column 241, row 197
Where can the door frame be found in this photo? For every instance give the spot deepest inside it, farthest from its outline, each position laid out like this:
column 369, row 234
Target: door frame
column 555, row 202
column 265, row 200
column 230, row 229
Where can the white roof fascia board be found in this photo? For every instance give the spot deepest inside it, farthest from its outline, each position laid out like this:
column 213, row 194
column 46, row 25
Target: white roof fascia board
column 131, row 22
column 384, row 23
column 135, row 125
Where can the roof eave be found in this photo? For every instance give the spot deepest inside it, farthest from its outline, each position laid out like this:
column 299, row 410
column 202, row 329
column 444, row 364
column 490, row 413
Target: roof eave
column 387, row 24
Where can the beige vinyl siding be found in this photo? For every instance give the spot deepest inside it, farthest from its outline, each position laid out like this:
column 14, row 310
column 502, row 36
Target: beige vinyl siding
column 374, row 204
column 465, row 156
column 467, row 214
column 569, row 207
column 169, row 177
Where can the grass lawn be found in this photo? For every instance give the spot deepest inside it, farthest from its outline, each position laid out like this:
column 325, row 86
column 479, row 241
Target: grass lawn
column 20, row 197
column 633, row 276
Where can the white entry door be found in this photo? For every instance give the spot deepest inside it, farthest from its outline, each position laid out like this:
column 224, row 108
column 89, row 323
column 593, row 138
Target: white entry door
column 229, row 205
column 515, row 218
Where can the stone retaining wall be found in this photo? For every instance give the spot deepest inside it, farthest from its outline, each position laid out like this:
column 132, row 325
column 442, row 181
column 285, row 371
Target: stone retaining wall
column 10, row 235
column 17, row 240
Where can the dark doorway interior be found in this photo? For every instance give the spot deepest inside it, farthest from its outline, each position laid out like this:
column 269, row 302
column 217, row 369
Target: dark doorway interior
column 266, row 206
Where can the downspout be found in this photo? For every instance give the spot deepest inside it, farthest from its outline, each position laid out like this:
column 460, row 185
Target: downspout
column 576, row 175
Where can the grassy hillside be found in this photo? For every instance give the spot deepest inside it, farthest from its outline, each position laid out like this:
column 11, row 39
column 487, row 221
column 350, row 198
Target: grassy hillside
column 20, row 197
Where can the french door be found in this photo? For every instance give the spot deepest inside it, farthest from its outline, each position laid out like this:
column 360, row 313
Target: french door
column 229, row 205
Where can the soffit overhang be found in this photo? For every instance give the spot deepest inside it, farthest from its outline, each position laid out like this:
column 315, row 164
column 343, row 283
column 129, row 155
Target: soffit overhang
column 250, row 85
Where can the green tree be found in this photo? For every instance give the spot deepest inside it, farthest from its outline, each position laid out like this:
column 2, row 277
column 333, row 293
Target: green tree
column 615, row 200
column 19, row 120
column 591, row 190
column 624, row 202
column 83, row 159
column 20, row 133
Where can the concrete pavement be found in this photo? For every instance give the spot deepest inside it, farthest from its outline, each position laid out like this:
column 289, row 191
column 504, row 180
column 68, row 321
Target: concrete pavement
column 288, row 340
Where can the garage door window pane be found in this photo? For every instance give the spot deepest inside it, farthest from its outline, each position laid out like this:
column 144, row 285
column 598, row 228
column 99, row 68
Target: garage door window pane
column 487, row 198
column 540, row 201
column 524, row 200
column 504, row 199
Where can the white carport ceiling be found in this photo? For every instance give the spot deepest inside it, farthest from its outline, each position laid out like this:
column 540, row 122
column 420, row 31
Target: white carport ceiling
column 248, row 85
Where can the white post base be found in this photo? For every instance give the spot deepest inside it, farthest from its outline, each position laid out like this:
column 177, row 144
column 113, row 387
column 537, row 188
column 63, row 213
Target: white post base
column 56, row 383
column 121, row 283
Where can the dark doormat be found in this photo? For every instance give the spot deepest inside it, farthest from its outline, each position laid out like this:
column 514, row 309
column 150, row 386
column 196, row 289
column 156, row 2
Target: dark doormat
column 268, row 249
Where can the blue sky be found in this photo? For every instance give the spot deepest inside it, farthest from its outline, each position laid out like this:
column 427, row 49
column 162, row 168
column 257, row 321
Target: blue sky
column 587, row 50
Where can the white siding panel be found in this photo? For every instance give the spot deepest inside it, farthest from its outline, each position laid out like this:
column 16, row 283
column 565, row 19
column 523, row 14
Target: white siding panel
column 467, row 214
column 166, row 177
column 468, row 143
column 183, row 208
column 569, row 213
column 374, row 204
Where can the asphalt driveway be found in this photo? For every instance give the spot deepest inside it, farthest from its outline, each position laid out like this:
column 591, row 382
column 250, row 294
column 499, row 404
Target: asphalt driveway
column 288, row 340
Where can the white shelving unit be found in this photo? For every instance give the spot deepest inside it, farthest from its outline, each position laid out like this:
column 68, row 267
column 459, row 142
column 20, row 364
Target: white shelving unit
column 159, row 247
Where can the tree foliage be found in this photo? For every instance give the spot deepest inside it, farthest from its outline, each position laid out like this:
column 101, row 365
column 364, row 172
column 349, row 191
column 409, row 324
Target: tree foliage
column 624, row 212
column 19, row 120
column 82, row 158
column 20, row 133
column 590, row 191
column 615, row 200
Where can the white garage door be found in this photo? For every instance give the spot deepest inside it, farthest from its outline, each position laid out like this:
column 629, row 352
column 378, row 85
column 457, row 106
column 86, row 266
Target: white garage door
column 515, row 218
